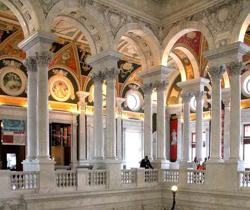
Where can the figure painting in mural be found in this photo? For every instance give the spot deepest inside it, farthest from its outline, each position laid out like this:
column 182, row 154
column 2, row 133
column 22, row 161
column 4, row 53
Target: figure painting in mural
column 12, row 81
column 60, row 89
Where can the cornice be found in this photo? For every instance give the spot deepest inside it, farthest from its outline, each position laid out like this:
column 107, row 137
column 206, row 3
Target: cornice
column 189, row 11
column 130, row 11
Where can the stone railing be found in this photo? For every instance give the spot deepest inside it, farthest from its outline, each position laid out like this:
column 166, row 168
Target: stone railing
column 24, row 180
column 170, row 175
column 151, row 175
column 195, row 176
column 66, row 178
column 97, row 178
column 244, row 179
column 128, row 176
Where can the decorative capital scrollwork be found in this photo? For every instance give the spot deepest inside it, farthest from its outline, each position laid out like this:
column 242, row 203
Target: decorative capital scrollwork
column 199, row 95
column 161, row 86
column 31, row 64
column 147, row 88
column 43, row 58
column 111, row 73
column 186, row 97
column 216, row 72
column 234, row 68
column 97, row 77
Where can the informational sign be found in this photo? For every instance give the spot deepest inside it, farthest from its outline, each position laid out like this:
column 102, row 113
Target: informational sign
column 13, row 132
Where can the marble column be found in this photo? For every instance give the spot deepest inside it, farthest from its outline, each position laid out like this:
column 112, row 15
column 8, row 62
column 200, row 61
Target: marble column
column 226, row 101
column 199, row 123
column 234, row 71
column 186, row 147
column 161, row 124
column 179, row 137
column 74, row 162
column 110, row 144
column 31, row 150
column 119, row 135
column 147, row 89
column 98, row 116
column 82, row 127
column 216, row 73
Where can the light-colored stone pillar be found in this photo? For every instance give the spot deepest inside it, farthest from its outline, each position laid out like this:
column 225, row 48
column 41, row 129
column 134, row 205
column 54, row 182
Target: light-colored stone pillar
column 234, row 70
column 82, row 127
column 148, row 128
column 74, row 162
column 31, row 149
column 226, row 100
column 119, row 135
column 110, row 145
column 199, row 123
column 98, row 116
column 160, row 123
column 179, row 137
column 186, row 154
column 216, row 75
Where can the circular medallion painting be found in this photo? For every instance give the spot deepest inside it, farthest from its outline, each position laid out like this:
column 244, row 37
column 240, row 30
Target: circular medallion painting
column 12, row 81
column 60, row 87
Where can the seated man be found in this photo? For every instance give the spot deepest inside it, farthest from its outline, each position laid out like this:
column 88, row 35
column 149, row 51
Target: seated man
column 145, row 163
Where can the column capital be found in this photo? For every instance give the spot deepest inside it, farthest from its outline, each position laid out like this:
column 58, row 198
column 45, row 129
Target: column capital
column 43, row 58
column 234, row 68
column 226, row 97
column 119, row 101
column 111, row 73
column 199, row 95
column 147, row 88
column 216, row 72
column 186, row 97
column 31, row 64
column 97, row 77
column 160, row 85
column 82, row 95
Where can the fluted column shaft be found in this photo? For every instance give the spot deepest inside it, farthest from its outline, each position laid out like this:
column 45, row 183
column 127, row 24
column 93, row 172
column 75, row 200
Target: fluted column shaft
column 216, row 74
column 110, row 144
column 226, row 101
column 43, row 59
column 147, row 88
column 199, row 124
column 31, row 150
column 234, row 70
column 82, row 126
column 161, row 124
column 186, row 147
column 98, row 116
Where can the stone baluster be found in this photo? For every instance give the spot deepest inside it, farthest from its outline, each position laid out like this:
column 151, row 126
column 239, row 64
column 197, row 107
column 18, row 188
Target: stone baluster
column 148, row 88
column 216, row 75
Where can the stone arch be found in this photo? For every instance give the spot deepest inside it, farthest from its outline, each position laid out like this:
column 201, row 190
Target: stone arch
column 192, row 59
column 148, row 37
column 179, row 30
column 85, row 31
column 180, row 65
column 241, row 25
column 25, row 12
column 93, row 22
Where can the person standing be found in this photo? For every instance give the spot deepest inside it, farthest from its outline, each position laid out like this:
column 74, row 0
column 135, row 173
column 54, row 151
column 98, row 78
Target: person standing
column 145, row 163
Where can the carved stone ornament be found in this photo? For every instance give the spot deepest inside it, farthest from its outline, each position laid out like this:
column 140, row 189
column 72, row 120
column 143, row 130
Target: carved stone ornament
column 47, row 5
column 31, row 64
column 186, row 97
column 147, row 88
column 234, row 68
column 43, row 58
column 216, row 72
column 111, row 73
column 199, row 95
column 97, row 77
column 161, row 86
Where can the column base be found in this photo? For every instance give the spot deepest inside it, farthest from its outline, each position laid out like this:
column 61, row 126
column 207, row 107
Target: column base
column 183, row 164
column 161, row 164
column 114, row 173
column 174, row 165
column 30, row 165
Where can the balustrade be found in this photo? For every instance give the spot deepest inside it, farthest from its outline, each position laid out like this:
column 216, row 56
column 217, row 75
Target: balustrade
column 151, row 175
column 170, row 175
column 244, row 179
column 24, row 180
column 66, row 179
column 97, row 178
column 195, row 176
column 128, row 176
